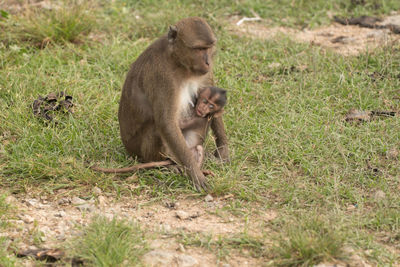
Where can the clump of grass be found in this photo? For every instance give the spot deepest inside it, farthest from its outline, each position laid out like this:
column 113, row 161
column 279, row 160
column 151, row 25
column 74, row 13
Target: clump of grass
column 4, row 208
column 5, row 259
column 41, row 27
column 110, row 243
column 223, row 245
column 307, row 242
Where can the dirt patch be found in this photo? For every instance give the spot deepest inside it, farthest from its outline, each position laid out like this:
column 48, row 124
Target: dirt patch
column 40, row 222
column 343, row 39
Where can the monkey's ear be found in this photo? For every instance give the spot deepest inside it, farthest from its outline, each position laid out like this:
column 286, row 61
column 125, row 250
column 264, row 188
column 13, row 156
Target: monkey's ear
column 172, row 33
column 218, row 113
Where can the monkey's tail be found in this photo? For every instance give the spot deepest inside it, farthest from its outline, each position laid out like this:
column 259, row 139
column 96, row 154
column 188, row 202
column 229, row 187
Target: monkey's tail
column 147, row 165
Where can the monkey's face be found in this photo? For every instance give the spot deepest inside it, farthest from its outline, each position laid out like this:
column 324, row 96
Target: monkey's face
column 193, row 44
column 202, row 59
column 197, row 59
column 206, row 105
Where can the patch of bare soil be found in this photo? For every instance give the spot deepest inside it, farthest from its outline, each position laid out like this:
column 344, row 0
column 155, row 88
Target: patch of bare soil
column 48, row 223
column 343, row 39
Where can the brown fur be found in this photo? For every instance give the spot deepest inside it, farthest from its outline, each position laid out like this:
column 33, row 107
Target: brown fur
column 194, row 129
column 173, row 65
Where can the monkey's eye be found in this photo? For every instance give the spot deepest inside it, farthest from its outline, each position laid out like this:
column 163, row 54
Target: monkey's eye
column 204, row 101
column 211, row 106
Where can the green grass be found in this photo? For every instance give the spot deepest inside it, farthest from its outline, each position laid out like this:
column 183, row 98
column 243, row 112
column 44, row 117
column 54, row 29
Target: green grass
column 307, row 241
column 290, row 146
column 41, row 27
column 110, row 243
column 6, row 259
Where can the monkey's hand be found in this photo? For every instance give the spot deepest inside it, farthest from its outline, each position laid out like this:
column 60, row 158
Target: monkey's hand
column 222, row 153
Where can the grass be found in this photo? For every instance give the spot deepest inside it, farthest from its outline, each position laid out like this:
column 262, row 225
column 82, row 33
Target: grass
column 110, row 243
column 291, row 149
column 41, row 27
column 6, row 260
column 308, row 241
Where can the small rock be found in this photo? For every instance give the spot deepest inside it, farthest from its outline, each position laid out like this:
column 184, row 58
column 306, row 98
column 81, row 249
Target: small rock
column 183, row 215
column 77, row 201
column 158, row 258
column 86, row 207
column 208, row 198
column 186, row 261
column 97, row 191
column 343, row 40
column 31, row 202
column 379, row 195
column 61, row 213
column 26, row 218
column 171, row 205
column 181, row 248
column 63, row 201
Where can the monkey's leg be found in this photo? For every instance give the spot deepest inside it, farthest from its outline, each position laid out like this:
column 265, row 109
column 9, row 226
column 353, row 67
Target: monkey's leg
column 147, row 145
column 218, row 128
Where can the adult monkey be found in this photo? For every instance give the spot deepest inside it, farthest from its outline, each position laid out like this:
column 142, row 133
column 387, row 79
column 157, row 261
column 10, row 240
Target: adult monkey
column 158, row 90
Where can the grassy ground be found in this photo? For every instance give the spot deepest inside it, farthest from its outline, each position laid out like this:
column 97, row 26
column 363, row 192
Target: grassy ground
column 291, row 149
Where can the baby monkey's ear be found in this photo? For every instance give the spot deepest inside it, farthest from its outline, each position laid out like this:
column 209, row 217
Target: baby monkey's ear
column 218, row 113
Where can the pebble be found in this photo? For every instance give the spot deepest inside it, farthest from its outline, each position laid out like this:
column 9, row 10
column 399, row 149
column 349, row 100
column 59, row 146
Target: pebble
column 26, row 218
column 181, row 248
column 63, row 201
column 61, row 213
column 31, row 202
column 208, row 198
column 77, row 201
column 183, row 215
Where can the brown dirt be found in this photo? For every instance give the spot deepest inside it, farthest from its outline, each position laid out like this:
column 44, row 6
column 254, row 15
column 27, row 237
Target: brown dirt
column 346, row 40
column 58, row 220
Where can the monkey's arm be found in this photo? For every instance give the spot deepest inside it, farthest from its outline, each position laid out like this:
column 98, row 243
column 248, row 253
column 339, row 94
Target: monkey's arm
column 218, row 128
column 167, row 124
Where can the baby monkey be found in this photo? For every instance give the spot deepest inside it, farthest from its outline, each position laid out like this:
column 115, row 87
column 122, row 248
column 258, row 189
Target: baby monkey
column 195, row 124
column 209, row 104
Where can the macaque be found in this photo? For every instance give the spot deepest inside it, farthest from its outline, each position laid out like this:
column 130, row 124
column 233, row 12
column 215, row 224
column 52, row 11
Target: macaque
column 208, row 105
column 157, row 91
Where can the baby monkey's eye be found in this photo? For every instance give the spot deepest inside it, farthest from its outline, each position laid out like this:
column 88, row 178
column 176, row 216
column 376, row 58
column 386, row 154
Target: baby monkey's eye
column 211, row 106
column 204, row 101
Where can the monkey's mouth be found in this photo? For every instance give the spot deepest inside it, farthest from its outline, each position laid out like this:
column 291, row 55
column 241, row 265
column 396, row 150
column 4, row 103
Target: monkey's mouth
column 199, row 113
